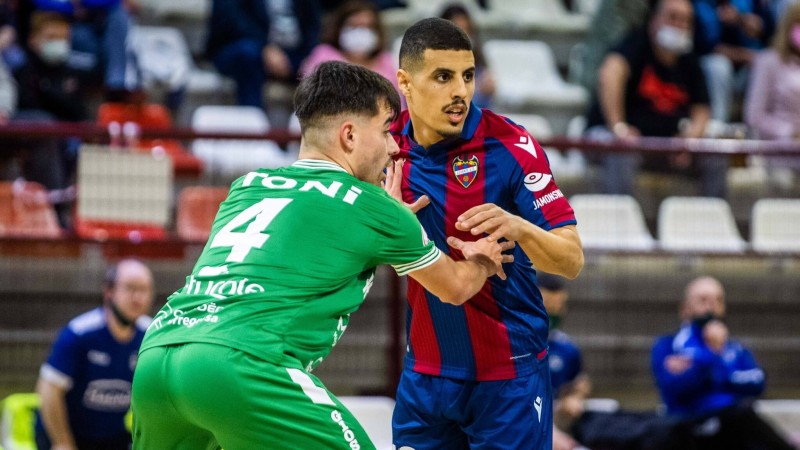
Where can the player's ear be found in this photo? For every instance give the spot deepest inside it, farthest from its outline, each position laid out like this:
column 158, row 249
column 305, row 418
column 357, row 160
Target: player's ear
column 347, row 136
column 404, row 81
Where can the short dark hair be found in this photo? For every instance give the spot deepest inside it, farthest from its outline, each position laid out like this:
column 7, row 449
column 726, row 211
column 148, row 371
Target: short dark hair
column 41, row 19
column 430, row 34
column 335, row 88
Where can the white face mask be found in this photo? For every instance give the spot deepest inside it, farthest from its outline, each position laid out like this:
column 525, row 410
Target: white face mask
column 674, row 40
column 55, row 52
column 358, row 40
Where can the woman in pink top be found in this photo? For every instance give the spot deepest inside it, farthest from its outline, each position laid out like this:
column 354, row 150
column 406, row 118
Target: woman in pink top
column 772, row 105
column 354, row 34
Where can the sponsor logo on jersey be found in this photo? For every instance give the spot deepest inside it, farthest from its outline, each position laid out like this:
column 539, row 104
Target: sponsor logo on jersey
column 536, row 181
column 347, row 433
column 547, row 198
column 465, row 171
column 98, row 358
column 108, row 395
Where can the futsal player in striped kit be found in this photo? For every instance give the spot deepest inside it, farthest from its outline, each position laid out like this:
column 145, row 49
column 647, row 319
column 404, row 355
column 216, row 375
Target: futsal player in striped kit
column 476, row 375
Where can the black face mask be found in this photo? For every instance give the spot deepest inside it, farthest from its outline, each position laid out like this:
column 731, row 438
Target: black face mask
column 124, row 321
column 704, row 319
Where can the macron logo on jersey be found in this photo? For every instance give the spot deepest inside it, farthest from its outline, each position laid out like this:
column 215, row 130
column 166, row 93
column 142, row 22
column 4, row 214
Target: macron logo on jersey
column 526, row 143
column 538, row 405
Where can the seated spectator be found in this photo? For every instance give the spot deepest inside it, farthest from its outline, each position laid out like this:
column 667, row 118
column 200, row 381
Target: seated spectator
column 85, row 384
column 49, row 90
column 612, row 22
column 354, row 34
column 98, row 41
column 728, row 33
column 11, row 52
column 253, row 41
column 710, row 380
column 484, row 80
column 649, row 84
column 772, row 105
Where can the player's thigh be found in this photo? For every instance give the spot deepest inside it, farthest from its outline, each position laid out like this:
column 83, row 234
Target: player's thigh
column 261, row 405
column 156, row 422
column 514, row 414
column 419, row 421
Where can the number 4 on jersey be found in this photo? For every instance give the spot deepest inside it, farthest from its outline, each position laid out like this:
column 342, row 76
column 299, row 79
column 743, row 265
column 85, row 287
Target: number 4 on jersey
column 240, row 242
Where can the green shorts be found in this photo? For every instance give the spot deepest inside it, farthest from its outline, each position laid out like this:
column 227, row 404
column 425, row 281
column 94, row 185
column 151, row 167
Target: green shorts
column 205, row 396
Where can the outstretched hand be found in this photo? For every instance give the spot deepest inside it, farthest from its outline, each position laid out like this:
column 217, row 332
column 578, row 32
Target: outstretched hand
column 486, row 252
column 490, row 218
column 393, row 185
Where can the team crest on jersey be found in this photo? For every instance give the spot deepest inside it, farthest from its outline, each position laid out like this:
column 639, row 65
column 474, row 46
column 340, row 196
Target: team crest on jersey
column 465, row 171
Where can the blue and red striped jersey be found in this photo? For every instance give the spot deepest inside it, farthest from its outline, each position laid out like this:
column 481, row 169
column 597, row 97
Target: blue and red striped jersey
column 501, row 332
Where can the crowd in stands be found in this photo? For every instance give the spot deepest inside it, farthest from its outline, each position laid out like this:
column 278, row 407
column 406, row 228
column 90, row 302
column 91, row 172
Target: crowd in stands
column 670, row 68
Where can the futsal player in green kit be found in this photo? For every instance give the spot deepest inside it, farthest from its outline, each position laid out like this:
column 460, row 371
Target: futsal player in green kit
column 292, row 253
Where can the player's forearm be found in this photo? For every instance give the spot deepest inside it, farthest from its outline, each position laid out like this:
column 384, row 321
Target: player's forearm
column 558, row 251
column 455, row 282
column 54, row 415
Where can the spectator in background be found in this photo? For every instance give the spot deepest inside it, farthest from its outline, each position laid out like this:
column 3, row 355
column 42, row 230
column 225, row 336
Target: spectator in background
column 98, row 42
column 648, row 86
column 8, row 106
column 50, row 90
column 354, row 34
column 571, row 386
column 772, row 104
column 710, row 380
column 85, row 384
column 484, row 80
column 11, row 52
column 253, row 41
column 614, row 20
column 728, row 33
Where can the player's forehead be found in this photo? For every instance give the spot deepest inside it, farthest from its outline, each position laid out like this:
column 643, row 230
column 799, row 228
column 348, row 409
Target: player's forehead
column 452, row 60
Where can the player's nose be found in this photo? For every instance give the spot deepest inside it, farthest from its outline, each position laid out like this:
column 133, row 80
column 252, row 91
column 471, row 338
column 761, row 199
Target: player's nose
column 391, row 147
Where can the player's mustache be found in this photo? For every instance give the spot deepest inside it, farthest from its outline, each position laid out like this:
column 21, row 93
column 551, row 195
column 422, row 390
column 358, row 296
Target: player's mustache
column 455, row 103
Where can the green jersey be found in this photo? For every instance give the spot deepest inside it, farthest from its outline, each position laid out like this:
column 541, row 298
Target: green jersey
column 292, row 253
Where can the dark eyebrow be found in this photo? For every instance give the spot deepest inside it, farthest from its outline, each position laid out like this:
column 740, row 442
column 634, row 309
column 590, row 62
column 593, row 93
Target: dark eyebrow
column 451, row 71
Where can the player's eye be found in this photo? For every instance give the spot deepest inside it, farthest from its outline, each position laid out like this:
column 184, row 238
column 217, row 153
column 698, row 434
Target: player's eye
column 469, row 76
column 443, row 77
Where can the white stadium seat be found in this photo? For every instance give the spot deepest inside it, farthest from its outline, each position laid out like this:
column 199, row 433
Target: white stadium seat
column 233, row 158
column 700, row 224
column 775, row 225
column 611, row 222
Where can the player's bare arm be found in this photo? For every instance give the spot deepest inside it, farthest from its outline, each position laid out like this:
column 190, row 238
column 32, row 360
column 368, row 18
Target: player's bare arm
column 456, row 282
column 393, row 185
column 558, row 251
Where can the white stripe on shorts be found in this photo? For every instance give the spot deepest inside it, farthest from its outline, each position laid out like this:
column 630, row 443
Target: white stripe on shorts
column 317, row 395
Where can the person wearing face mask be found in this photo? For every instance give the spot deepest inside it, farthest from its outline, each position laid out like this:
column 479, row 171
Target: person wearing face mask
column 353, row 33
column 85, row 384
column 50, row 90
column 710, row 380
column 46, row 82
column 651, row 84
